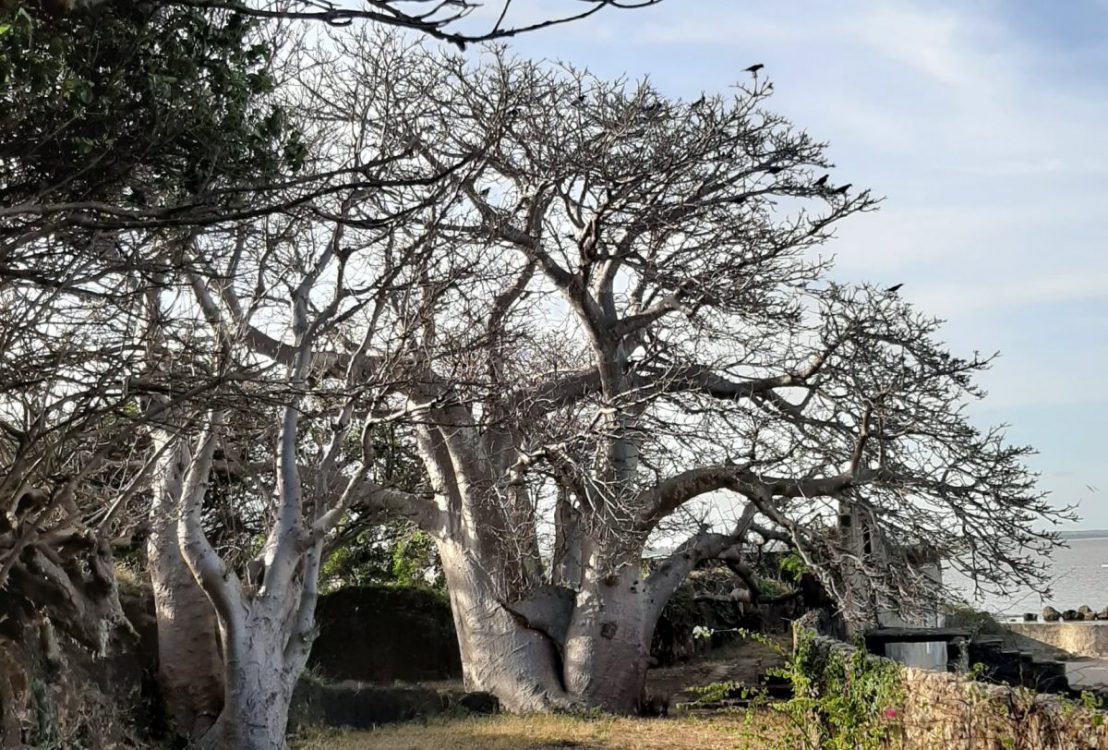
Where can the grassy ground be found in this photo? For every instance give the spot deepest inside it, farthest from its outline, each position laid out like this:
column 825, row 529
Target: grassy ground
column 547, row 732
column 741, row 661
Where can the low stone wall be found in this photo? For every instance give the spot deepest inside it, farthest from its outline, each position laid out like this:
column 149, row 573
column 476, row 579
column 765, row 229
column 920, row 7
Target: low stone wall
column 360, row 706
column 1078, row 637
column 951, row 712
column 947, row 711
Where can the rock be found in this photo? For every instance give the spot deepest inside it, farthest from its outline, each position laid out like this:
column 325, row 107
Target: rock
column 1085, row 612
column 1050, row 614
column 1102, row 614
column 1070, row 615
column 1030, row 617
column 480, row 703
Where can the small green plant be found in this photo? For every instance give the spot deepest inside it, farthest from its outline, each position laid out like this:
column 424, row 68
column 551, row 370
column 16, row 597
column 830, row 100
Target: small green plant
column 842, row 699
column 792, row 567
column 44, row 714
column 717, row 692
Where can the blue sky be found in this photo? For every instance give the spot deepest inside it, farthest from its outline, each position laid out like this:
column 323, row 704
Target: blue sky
column 984, row 124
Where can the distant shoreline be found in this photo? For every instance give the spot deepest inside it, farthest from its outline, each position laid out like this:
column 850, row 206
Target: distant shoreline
column 1089, row 534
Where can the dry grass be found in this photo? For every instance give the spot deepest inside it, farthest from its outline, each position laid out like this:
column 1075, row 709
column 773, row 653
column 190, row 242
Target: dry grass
column 547, row 732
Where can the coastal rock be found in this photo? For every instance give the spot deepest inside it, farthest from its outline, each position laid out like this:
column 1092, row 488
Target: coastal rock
column 1069, row 615
column 1030, row 617
column 1085, row 612
column 1102, row 614
column 1050, row 614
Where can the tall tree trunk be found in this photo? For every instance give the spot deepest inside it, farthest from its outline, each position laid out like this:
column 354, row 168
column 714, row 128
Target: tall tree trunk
column 190, row 669
column 500, row 653
column 608, row 641
column 260, row 680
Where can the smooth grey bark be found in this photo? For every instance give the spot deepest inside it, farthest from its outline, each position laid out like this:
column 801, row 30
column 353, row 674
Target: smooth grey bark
column 500, row 653
column 190, row 669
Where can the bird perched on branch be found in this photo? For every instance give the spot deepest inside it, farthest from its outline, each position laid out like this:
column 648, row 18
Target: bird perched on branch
column 754, row 68
column 894, row 288
column 821, row 182
column 842, row 190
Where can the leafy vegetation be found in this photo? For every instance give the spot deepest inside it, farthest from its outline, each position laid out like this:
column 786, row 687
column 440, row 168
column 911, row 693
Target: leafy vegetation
column 139, row 104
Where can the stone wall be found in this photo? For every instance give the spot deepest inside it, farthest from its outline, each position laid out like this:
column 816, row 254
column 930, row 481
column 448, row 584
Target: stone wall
column 952, row 712
column 947, row 711
column 1078, row 637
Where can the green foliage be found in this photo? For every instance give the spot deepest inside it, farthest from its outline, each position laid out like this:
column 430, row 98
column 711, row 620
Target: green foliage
column 413, row 557
column 843, row 701
column 136, row 104
column 717, row 692
column 44, row 717
column 793, row 567
column 394, row 552
column 391, row 553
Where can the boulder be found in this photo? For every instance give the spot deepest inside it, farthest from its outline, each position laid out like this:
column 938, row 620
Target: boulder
column 1030, row 617
column 1050, row 614
column 1070, row 615
column 480, row 703
column 1102, row 614
column 1085, row 612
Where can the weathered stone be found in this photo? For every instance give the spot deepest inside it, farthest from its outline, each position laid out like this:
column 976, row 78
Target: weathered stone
column 480, row 703
column 1030, row 617
column 1050, row 614
column 358, row 705
column 1069, row 615
column 1102, row 614
column 1085, row 612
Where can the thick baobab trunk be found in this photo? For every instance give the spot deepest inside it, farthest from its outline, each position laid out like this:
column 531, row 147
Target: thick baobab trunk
column 554, row 649
column 502, row 653
column 260, row 680
column 190, row 668
column 608, row 641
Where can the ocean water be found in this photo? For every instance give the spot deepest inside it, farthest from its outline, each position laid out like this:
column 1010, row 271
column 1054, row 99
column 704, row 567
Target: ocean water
column 1078, row 575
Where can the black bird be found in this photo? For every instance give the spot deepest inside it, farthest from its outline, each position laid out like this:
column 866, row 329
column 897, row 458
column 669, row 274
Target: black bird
column 754, row 68
column 822, row 181
column 842, row 190
column 698, row 102
column 581, row 99
column 894, row 288
column 485, row 193
column 774, row 170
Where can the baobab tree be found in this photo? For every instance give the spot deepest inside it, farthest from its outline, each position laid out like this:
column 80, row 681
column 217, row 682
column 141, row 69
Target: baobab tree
column 663, row 331
column 159, row 152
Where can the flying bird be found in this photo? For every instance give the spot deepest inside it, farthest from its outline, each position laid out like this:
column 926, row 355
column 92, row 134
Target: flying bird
column 894, row 288
column 754, row 68
column 822, row 181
